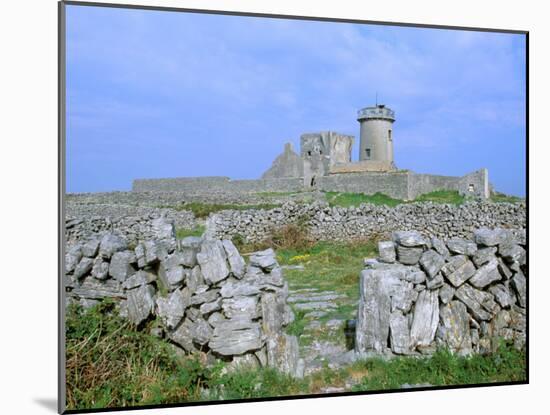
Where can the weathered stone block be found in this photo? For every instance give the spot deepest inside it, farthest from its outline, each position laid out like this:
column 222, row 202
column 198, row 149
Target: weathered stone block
column 409, row 256
column 213, row 261
column 458, row 270
column 425, row 319
column 386, row 251
column 485, row 275
column 431, row 262
column 461, row 246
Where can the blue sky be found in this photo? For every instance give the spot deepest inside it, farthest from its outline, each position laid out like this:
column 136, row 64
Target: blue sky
column 160, row 94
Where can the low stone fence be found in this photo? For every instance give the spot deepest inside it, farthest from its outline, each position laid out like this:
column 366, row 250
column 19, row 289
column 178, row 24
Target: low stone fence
column 206, row 298
column 343, row 224
column 461, row 294
column 133, row 224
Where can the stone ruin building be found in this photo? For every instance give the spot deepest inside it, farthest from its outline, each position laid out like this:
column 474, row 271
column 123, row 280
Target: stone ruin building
column 325, row 164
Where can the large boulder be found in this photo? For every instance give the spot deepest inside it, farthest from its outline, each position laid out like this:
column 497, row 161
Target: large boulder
column 213, row 261
column 140, row 303
column 425, row 319
column 454, row 329
column 235, row 337
column 111, row 243
column 458, row 270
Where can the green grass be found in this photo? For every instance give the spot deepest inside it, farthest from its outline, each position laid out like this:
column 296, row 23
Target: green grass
column 355, row 199
column 196, row 231
column 202, row 210
column 442, row 196
column 504, row 198
column 327, row 265
column 109, row 363
column 443, row 368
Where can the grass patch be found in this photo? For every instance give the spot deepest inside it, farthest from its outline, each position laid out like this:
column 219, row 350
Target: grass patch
column 443, row 368
column 327, row 265
column 202, row 210
column 297, row 327
column 442, row 196
column 110, row 364
column 355, row 199
column 196, row 231
column 498, row 197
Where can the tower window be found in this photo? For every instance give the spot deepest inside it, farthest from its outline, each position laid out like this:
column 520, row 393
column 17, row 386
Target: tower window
column 368, row 152
column 309, row 153
column 389, row 134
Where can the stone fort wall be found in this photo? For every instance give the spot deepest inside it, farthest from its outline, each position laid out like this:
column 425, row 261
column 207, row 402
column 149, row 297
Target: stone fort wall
column 405, row 185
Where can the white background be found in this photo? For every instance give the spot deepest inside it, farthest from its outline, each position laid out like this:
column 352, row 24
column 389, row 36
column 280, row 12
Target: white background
column 28, row 232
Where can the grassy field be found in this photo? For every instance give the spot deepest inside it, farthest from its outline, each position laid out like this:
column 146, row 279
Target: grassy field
column 110, row 364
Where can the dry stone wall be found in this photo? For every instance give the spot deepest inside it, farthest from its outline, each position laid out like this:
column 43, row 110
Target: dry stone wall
column 204, row 295
column 132, row 224
column 343, row 224
column 423, row 293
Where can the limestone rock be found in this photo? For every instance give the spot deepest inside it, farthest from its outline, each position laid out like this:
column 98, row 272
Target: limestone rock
column 183, row 336
column 484, row 255
column 409, row 239
column 373, row 317
column 237, row 307
column 485, row 275
column 400, row 339
column 98, row 290
column 140, row 303
column 474, row 300
column 83, row 268
column 212, row 260
column 502, row 294
column 386, row 251
column 171, row 272
column 490, row 237
column 72, row 258
column 431, row 262
column 100, row 269
column 189, row 247
column 461, row 246
column 236, row 261
column 90, row 248
column 446, row 293
column 283, row 353
column 435, row 282
column 520, row 285
column 240, row 288
column 409, row 256
column 207, row 308
column 511, row 253
column 111, row 243
column 458, row 270
column 121, row 266
column 204, row 297
column 264, row 259
column 403, row 297
column 235, row 337
column 440, row 247
column 172, row 309
column 138, row 279
column 200, row 331
column 425, row 319
column 454, row 329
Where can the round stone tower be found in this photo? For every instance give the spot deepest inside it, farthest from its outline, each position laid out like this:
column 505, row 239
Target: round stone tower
column 376, row 134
